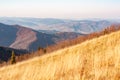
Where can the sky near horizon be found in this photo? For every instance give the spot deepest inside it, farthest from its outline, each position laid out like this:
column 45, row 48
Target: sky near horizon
column 68, row 9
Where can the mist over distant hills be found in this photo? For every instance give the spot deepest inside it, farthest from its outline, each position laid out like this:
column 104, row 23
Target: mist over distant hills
column 60, row 25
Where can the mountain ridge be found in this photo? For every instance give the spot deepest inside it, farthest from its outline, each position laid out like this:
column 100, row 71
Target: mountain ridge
column 19, row 37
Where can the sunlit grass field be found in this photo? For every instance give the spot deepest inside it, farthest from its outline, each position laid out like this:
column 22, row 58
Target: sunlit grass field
column 96, row 59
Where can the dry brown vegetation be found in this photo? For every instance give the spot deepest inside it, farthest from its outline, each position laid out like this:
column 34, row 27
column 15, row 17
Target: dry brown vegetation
column 64, row 44
column 83, row 38
column 96, row 59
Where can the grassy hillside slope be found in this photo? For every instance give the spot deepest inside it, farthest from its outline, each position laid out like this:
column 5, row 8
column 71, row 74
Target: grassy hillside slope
column 96, row 59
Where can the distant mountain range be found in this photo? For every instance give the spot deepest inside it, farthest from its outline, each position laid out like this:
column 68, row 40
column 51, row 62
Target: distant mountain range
column 50, row 25
column 19, row 37
column 45, row 31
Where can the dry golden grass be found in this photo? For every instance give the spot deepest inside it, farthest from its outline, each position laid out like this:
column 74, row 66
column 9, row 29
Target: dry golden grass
column 97, row 59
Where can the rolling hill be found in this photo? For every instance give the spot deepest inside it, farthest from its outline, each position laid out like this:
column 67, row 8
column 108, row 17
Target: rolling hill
column 96, row 59
column 19, row 37
column 59, row 25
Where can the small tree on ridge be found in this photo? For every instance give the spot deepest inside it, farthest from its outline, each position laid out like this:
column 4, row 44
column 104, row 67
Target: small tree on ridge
column 13, row 58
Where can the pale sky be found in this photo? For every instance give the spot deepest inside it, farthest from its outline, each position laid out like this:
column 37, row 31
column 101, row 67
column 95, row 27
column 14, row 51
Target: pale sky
column 67, row 9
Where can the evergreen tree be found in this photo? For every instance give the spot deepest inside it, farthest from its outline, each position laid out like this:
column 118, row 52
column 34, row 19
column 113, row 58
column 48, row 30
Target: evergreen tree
column 13, row 58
